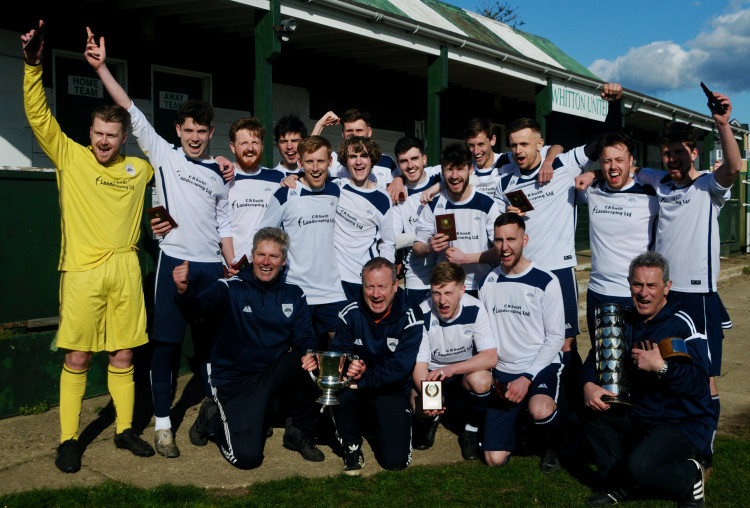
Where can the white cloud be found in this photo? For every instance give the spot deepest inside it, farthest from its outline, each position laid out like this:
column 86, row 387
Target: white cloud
column 719, row 55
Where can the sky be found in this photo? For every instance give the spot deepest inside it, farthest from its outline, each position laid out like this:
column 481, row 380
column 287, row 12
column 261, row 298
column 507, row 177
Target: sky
column 662, row 48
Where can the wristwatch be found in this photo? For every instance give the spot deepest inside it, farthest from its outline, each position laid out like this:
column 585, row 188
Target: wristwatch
column 663, row 370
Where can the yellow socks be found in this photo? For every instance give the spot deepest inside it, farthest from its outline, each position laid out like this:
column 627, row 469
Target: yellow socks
column 122, row 389
column 72, row 389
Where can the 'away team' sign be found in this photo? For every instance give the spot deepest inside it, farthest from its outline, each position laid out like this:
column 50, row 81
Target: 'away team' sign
column 171, row 100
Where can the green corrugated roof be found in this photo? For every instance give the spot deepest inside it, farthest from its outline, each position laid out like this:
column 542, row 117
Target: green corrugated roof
column 383, row 5
column 557, row 54
column 458, row 18
column 479, row 33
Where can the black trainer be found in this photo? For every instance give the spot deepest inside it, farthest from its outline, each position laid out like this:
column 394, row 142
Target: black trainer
column 696, row 498
column 354, row 459
column 200, row 430
column 607, row 498
column 470, row 445
column 68, row 458
column 129, row 440
column 550, row 463
column 296, row 440
column 423, row 433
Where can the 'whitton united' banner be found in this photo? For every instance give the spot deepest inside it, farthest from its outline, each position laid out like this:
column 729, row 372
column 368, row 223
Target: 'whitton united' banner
column 578, row 102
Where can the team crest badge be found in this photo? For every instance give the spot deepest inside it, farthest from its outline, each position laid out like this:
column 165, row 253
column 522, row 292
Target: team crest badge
column 129, row 169
column 287, row 309
column 391, row 342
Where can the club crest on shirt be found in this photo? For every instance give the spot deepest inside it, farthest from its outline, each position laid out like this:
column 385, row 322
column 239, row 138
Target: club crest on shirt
column 287, row 309
column 391, row 342
column 130, row 169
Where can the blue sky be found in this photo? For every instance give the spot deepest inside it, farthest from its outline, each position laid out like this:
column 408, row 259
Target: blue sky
column 663, row 48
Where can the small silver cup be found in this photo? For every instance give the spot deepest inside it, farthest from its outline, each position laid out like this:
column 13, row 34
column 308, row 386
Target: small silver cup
column 331, row 375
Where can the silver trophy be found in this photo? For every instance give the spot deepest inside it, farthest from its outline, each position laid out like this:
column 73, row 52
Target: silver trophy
column 611, row 348
column 331, row 375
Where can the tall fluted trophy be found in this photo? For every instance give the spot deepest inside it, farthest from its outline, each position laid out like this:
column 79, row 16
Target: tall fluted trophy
column 611, row 348
column 331, row 376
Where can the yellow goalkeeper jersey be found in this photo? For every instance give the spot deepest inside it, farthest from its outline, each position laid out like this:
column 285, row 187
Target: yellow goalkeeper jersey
column 101, row 205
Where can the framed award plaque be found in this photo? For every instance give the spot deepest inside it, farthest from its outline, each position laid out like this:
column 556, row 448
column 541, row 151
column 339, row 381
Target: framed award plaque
column 432, row 395
column 518, row 199
column 446, row 224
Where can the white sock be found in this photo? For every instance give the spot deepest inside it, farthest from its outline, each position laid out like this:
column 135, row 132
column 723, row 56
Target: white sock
column 162, row 422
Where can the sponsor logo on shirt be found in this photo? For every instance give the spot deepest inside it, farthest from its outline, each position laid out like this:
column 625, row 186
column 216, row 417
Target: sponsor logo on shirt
column 510, row 308
column 247, row 309
column 116, row 184
column 357, row 342
column 130, row 169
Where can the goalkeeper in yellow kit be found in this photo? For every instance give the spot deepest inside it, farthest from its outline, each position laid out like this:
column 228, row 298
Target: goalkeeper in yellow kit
column 101, row 293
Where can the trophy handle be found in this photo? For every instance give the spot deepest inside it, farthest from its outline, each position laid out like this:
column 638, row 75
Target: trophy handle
column 349, row 380
column 313, row 376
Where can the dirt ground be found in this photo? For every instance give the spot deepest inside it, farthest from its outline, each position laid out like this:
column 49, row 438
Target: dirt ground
column 28, row 443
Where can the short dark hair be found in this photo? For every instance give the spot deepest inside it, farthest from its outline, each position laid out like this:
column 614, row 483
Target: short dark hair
column 678, row 132
column 312, row 144
column 650, row 259
column 199, row 110
column 359, row 144
column 250, row 124
column 614, row 139
column 406, row 143
column 354, row 114
column 277, row 235
column 476, row 126
column 289, row 123
column 112, row 113
column 456, row 154
column 524, row 123
column 446, row 272
column 510, row 218
column 377, row 263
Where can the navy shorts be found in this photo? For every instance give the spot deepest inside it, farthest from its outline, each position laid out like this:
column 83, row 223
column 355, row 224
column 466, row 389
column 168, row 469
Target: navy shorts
column 325, row 315
column 351, row 290
column 710, row 317
column 416, row 296
column 569, row 287
column 169, row 324
column 500, row 421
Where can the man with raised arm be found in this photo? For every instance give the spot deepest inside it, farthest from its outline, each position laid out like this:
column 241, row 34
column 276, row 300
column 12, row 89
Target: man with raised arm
column 101, row 294
column 356, row 122
column 190, row 186
column 688, row 229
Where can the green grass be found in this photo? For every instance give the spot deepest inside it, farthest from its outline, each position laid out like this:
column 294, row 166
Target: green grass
column 468, row 484
column 36, row 409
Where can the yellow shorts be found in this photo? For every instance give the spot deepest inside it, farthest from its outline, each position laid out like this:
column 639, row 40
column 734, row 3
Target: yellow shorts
column 102, row 309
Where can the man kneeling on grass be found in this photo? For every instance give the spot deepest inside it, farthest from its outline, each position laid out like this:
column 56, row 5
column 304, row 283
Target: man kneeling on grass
column 456, row 325
column 381, row 329
column 264, row 326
